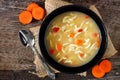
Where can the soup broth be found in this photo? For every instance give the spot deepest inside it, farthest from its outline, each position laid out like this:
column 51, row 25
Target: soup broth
column 72, row 39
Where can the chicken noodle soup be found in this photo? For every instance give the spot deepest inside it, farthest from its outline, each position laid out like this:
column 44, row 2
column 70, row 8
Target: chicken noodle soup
column 73, row 39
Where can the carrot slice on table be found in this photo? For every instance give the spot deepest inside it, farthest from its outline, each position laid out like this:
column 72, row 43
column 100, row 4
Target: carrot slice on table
column 97, row 72
column 25, row 17
column 31, row 6
column 105, row 66
column 79, row 42
column 38, row 13
column 59, row 46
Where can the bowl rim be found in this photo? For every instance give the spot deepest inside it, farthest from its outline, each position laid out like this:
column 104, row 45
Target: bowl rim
column 50, row 60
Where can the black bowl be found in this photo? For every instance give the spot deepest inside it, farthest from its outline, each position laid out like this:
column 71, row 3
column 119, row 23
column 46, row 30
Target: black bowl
column 43, row 48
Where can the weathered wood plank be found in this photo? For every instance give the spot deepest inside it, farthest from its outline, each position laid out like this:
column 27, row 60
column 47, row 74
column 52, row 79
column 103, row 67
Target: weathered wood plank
column 13, row 56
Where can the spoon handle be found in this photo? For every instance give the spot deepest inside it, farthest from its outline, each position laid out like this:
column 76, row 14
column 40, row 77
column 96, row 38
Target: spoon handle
column 50, row 72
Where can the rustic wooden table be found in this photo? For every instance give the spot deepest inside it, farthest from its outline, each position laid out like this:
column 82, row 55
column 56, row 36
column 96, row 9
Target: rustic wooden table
column 16, row 61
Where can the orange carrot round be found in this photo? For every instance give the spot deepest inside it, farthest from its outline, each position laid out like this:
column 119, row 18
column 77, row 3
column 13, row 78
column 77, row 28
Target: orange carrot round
column 96, row 34
column 105, row 66
column 72, row 35
column 31, row 6
column 38, row 13
column 79, row 42
column 25, row 17
column 98, row 42
column 86, row 17
column 97, row 72
column 59, row 46
column 81, row 55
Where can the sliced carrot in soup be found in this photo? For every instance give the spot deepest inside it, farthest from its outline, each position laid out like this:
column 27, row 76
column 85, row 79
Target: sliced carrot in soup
column 72, row 35
column 96, row 35
column 86, row 17
column 81, row 55
column 80, row 30
column 52, row 51
column 62, row 61
column 79, row 42
column 56, row 29
column 98, row 42
column 59, row 46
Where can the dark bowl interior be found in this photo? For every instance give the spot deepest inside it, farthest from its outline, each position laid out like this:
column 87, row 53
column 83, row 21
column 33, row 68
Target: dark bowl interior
column 63, row 68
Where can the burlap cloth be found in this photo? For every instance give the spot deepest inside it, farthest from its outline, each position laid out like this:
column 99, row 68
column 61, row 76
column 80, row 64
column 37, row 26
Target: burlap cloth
column 50, row 5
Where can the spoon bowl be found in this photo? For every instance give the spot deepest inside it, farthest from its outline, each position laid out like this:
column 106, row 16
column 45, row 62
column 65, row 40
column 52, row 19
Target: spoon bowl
column 27, row 40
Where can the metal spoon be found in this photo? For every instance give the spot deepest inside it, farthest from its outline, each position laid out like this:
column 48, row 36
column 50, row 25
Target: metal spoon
column 27, row 40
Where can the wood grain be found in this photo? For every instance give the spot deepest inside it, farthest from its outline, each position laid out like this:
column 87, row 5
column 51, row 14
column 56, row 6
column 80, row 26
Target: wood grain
column 20, row 59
